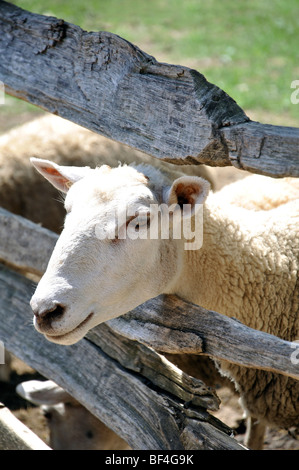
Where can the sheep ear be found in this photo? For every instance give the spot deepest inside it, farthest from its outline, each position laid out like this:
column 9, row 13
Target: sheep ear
column 42, row 393
column 189, row 191
column 62, row 177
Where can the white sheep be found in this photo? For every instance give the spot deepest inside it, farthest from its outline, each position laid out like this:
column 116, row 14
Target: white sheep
column 247, row 267
column 259, row 192
column 71, row 426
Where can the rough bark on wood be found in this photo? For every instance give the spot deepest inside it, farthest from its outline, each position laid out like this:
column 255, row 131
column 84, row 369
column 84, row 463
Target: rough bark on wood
column 165, row 323
column 265, row 149
column 196, row 330
column 155, row 367
column 110, row 86
column 142, row 413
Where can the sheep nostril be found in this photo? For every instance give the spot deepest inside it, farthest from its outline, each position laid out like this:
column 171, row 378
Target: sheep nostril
column 49, row 315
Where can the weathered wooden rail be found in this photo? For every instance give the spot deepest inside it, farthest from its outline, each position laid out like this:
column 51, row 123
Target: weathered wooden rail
column 106, row 84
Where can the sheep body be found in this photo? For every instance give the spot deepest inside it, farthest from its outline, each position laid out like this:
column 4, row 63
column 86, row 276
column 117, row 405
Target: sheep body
column 248, row 269
column 269, row 300
column 259, row 192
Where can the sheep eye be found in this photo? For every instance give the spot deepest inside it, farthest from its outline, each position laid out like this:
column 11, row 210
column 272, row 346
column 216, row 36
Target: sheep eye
column 89, row 434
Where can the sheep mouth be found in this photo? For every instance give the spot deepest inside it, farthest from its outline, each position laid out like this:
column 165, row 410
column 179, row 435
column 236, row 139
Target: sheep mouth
column 70, row 336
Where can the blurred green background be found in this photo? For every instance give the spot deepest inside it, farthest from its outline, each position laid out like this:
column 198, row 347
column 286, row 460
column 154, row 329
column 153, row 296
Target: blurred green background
column 249, row 48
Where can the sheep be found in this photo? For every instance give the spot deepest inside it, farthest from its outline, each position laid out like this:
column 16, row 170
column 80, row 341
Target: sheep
column 71, row 426
column 24, row 193
column 259, row 192
column 247, row 267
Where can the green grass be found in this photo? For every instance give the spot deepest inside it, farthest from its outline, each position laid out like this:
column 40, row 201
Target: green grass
column 249, row 48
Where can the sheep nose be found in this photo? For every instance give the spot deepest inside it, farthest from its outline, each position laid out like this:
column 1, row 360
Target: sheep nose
column 45, row 317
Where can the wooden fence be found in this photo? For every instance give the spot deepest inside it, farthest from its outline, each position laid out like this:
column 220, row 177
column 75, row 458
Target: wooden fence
column 106, row 84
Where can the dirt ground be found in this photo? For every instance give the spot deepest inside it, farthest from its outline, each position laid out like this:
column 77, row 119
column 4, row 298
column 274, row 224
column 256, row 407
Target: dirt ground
column 230, row 411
